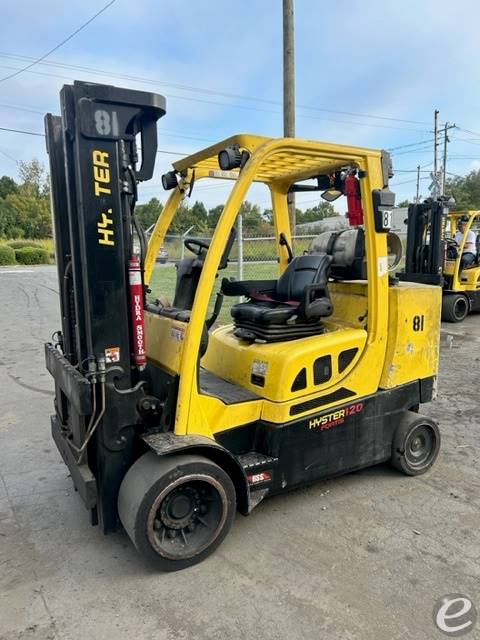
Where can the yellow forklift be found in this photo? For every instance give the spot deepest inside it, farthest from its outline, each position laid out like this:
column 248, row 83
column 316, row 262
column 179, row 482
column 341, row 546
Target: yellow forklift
column 169, row 423
column 443, row 248
column 461, row 288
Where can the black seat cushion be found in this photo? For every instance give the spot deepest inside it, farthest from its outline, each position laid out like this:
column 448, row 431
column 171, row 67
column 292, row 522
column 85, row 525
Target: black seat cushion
column 264, row 312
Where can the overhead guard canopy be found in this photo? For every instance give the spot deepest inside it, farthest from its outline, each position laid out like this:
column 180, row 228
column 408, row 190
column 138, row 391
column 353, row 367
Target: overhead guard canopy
column 301, row 160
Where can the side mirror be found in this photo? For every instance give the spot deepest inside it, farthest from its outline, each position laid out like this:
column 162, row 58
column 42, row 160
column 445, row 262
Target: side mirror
column 331, row 194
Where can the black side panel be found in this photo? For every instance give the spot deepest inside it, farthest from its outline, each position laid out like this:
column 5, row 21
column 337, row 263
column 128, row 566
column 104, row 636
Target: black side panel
column 350, row 436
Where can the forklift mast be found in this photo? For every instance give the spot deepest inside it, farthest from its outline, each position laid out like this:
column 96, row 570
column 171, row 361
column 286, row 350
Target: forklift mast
column 425, row 246
column 94, row 168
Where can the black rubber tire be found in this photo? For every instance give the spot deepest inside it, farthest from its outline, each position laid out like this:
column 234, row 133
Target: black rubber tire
column 146, row 488
column 416, row 444
column 455, row 307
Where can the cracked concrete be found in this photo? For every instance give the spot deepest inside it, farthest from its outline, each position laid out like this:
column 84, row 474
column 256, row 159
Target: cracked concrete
column 371, row 565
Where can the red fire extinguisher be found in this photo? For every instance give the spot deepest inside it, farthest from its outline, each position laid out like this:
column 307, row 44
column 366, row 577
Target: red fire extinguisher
column 354, row 201
column 137, row 313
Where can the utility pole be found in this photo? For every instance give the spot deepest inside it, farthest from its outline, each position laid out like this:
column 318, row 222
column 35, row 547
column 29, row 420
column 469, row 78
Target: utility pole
column 417, row 198
column 446, row 140
column 289, row 90
column 435, row 143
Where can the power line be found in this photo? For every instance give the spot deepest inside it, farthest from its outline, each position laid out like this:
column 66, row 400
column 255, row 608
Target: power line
column 7, row 155
column 397, row 184
column 17, row 107
column 475, row 144
column 423, row 149
column 36, row 133
column 29, row 133
column 473, row 133
column 208, row 91
column 60, row 44
column 247, row 107
column 412, row 144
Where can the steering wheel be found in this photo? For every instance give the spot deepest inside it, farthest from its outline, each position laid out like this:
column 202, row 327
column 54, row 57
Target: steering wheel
column 195, row 245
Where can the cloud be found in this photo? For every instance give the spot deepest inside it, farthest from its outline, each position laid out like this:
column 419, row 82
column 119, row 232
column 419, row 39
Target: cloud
column 396, row 59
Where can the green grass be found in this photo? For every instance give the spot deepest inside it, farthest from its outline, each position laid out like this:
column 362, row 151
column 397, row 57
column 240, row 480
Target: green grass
column 164, row 278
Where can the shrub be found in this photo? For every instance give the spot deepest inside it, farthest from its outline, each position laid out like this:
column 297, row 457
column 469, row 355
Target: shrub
column 32, row 255
column 21, row 244
column 17, row 232
column 7, row 255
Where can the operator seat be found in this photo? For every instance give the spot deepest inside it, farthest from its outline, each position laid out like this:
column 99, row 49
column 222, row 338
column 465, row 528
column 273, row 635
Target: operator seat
column 284, row 309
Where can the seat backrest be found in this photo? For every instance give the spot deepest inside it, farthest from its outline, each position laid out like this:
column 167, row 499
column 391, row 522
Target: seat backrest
column 188, row 276
column 301, row 272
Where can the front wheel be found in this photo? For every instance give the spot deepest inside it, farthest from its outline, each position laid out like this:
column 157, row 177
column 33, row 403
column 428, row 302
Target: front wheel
column 416, row 444
column 176, row 509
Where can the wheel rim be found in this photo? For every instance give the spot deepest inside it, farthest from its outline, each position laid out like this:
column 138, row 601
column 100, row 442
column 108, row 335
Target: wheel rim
column 420, row 446
column 187, row 516
column 461, row 308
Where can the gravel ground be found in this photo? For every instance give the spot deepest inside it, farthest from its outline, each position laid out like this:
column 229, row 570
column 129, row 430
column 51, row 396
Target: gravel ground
column 358, row 557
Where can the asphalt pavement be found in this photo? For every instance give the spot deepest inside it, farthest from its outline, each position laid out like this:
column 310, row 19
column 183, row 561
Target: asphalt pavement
column 364, row 556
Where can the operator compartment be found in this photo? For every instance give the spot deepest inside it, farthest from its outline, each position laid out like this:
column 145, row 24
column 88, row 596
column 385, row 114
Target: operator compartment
column 280, row 335
column 321, row 330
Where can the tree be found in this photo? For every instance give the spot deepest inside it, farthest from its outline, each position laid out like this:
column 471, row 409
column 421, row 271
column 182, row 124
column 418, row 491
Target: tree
column 318, row 212
column 465, row 190
column 187, row 217
column 27, row 213
column 149, row 213
column 251, row 215
column 199, row 213
column 7, row 186
column 403, row 203
column 267, row 215
column 214, row 215
column 34, row 181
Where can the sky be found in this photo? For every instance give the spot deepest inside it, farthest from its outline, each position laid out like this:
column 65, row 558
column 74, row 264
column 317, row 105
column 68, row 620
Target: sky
column 367, row 73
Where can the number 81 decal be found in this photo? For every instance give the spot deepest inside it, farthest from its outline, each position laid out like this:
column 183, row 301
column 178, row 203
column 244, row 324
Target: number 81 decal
column 418, row 323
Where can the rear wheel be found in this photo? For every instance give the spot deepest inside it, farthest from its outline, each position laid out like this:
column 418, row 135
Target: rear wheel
column 176, row 510
column 416, row 444
column 455, row 307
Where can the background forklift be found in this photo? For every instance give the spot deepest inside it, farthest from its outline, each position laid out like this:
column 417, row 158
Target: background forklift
column 434, row 257
column 169, row 425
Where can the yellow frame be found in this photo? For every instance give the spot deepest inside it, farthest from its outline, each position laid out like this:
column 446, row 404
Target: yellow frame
column 453, row 217
column 277, row 163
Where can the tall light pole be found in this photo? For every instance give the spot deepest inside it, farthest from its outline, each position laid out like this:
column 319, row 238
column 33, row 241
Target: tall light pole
column 289, row 89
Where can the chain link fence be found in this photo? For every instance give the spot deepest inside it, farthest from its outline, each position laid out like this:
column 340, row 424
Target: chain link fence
column 251, row 258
